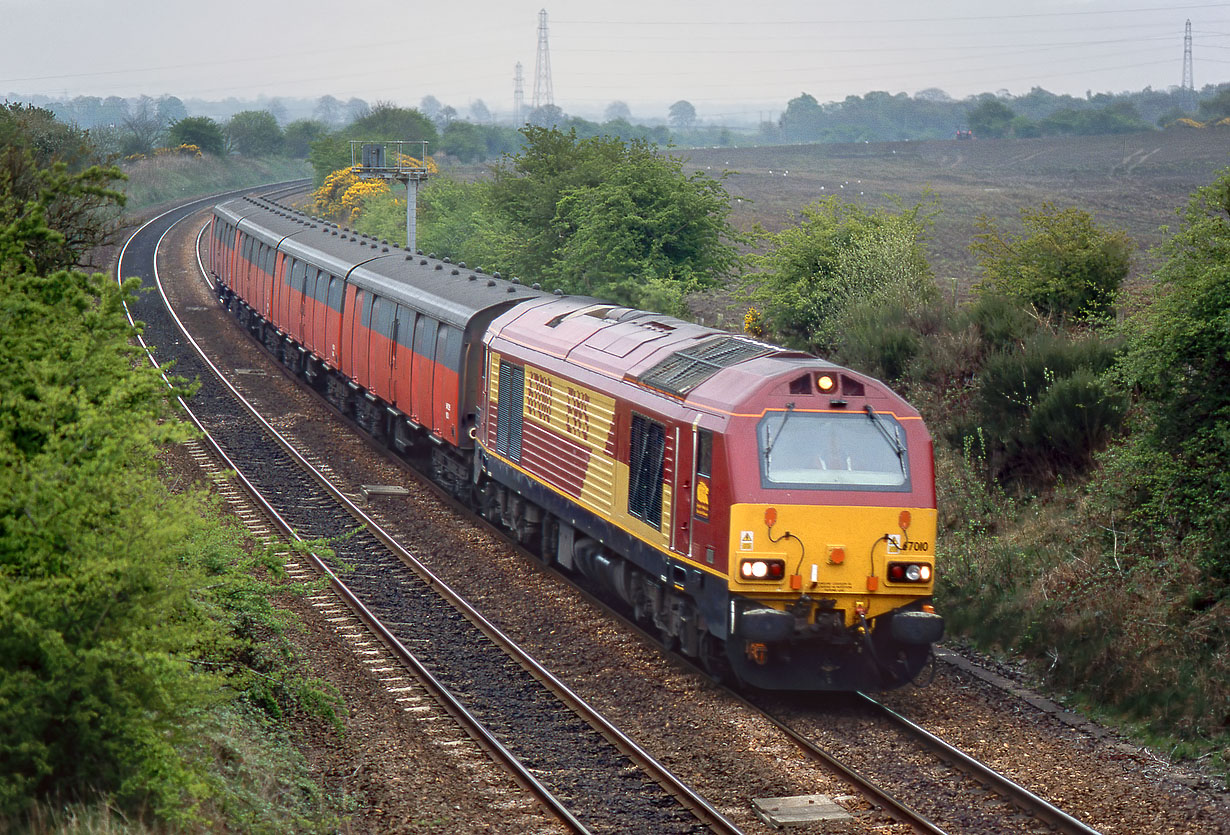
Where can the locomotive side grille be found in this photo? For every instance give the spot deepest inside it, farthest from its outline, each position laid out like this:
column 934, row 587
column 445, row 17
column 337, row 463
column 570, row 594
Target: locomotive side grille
column 645, row 469
column 684, row 370
column 508, row 410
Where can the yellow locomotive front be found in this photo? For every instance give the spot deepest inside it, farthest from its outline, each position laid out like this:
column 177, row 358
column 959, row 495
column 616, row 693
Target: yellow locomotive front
column 831, row 552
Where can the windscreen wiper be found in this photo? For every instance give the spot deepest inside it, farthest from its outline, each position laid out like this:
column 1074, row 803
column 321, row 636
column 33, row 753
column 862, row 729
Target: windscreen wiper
column 891, row 437
column 768, row 449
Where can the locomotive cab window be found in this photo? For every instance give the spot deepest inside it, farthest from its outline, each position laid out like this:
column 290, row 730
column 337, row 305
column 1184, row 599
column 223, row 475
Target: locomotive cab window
column 704, row 453
column 864, row 451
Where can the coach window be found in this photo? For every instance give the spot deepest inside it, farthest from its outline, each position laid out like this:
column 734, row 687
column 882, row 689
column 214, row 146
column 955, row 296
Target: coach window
column 337, row 289
column 296, row 275
column 646, row 460
column 382, row 317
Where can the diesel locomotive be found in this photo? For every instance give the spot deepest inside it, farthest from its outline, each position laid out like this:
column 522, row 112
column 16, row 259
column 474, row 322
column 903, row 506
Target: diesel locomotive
column 770, row 514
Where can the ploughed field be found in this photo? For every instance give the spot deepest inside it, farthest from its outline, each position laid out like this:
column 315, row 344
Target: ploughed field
column 1133, row 182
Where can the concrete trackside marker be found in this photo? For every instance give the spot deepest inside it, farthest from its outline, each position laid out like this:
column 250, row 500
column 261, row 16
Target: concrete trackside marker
column 799, row 810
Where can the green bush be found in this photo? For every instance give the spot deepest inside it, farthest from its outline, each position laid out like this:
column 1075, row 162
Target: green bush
column 1043, row 408
column 1178, row 363
column 1063, row 264
column 838, row 257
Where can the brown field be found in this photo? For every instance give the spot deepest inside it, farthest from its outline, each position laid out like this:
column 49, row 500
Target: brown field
column 1133, row 182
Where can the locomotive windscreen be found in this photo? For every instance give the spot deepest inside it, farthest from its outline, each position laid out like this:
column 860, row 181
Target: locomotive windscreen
column 843, row 451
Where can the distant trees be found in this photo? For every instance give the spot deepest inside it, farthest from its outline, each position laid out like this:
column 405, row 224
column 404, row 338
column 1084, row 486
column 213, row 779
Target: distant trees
column 464, row 141
column 990, row 118
column 254, row 133
column 200, row 131
column 617, row 110
column 480, row 113
column 546, row 116
column 682, row 115
column 803, row 119
column 299, row 135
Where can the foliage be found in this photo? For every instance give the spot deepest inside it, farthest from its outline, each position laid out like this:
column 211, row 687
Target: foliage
column 327, row 200
column 606, row 217
column 1063, row 263
column 55, row 200
column 254, row 133
column 682, row 115
column 990, row 118
column 162, row 178
column 449, row 218
column 126, row 620
column 1176, row 469
column 383, row 123
column 464, row 141
column 200, row 131
column 299, row 135
column 1120, row 117
column 1043, row 407
column 840, row 254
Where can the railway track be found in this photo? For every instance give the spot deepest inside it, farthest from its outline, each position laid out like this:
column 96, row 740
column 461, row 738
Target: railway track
column 592, row 777
column 947, row 801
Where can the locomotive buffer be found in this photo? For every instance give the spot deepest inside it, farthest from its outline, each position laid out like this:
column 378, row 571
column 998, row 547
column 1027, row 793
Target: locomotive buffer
column 392, row 161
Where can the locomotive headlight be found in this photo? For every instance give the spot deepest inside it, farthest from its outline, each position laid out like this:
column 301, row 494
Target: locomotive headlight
column 909, row 572
column 762, row 569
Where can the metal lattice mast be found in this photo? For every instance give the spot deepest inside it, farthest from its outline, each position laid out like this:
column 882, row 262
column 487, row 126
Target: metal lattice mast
column 1188, row 82
column 542, row 66
column 518, row 97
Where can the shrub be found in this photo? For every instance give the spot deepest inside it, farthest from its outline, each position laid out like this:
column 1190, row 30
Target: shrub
column 1063, row 264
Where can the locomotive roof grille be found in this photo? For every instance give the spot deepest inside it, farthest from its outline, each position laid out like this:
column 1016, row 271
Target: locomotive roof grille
column 684, row 370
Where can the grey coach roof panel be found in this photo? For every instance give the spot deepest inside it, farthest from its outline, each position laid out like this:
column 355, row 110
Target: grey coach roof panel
column 448, row 292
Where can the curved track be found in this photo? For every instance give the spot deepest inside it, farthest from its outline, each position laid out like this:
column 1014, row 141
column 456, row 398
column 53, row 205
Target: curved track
column 594, row 777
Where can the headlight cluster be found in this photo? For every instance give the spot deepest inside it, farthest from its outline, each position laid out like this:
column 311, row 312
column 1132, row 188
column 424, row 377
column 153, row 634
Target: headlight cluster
column 762, row 569
column 909, row 572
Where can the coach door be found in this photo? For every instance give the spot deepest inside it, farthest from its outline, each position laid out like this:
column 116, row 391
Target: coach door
column 424, row 366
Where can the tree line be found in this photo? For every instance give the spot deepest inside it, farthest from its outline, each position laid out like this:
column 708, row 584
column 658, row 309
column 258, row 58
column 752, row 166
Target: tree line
column 134, row 127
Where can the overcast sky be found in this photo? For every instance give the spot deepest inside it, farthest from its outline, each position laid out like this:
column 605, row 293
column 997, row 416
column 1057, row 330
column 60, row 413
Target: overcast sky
column 730, row 59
